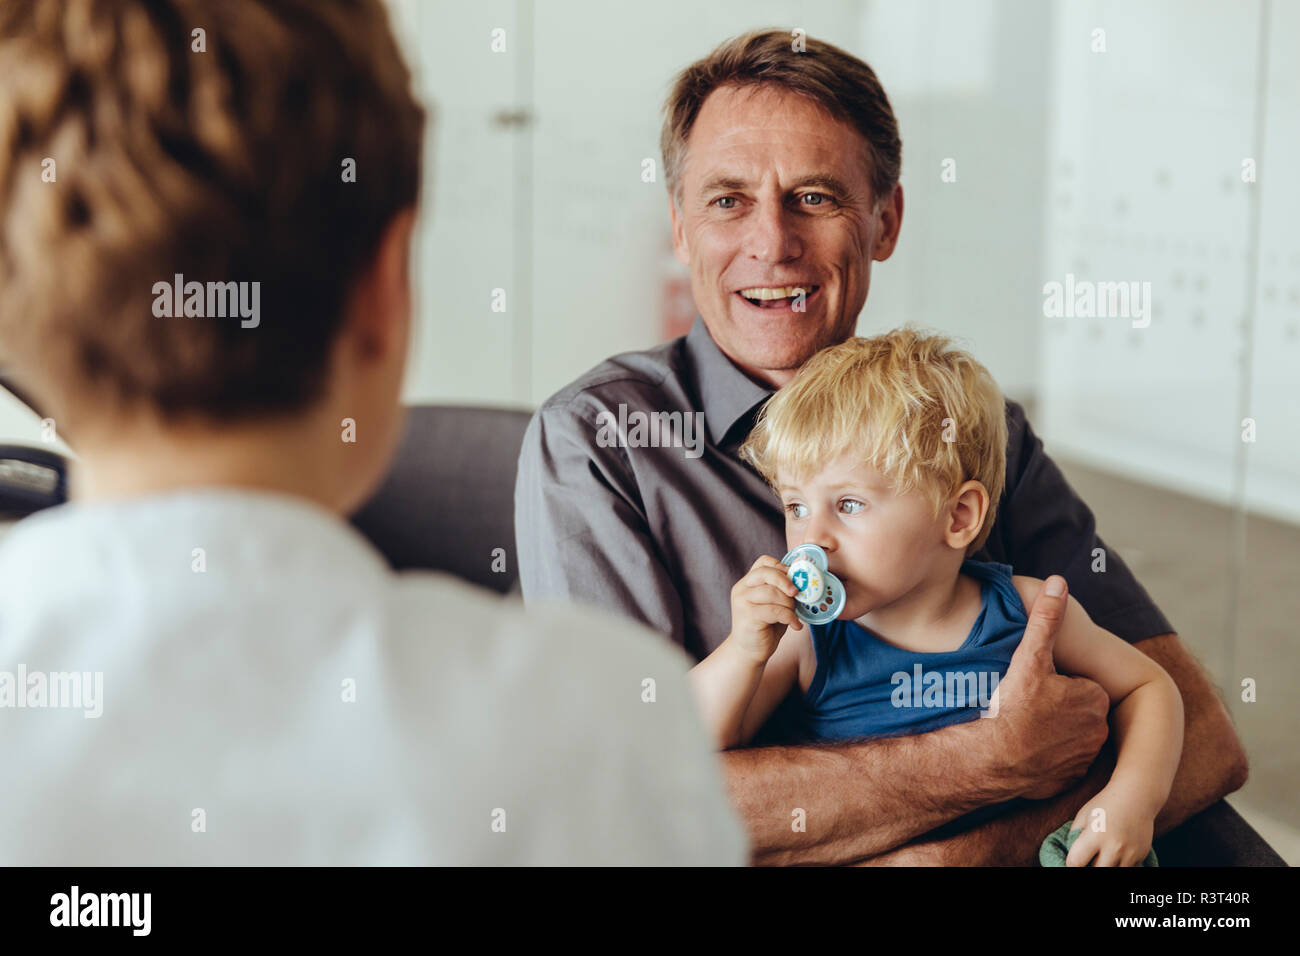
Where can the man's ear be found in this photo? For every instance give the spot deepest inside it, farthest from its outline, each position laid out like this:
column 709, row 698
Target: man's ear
column 680, row 247
column 891, row 221
column 380, row 304
column 967, row 510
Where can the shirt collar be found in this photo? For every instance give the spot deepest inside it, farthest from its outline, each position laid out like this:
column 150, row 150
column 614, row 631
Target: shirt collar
column 726, row 393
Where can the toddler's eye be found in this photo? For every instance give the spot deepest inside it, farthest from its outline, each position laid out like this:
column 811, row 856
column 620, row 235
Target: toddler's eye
column 852, row 506
column 795, row 510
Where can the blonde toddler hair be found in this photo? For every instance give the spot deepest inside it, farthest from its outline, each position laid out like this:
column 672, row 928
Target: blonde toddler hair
column 922, row 412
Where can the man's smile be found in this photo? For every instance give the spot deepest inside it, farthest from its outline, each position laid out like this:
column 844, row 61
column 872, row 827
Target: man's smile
column 780, row 298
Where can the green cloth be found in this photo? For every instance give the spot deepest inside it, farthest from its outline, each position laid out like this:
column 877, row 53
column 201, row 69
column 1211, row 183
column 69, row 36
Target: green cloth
column 1058, row 843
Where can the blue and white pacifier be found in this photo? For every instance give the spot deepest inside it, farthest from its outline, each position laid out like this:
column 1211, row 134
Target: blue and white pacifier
column 821, row 595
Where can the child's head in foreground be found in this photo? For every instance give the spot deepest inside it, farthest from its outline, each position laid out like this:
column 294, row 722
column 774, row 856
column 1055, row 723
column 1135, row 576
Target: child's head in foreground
column 145, row 139
column 890, row 453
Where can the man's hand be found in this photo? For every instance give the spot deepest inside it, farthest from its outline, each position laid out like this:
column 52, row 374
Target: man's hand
column 1047, row 728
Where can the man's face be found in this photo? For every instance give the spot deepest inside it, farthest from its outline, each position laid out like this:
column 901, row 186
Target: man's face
column 881, row 545
column 775, row 194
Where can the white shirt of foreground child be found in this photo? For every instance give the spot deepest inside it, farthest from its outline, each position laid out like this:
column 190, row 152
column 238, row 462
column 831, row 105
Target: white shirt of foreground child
column 255, row 686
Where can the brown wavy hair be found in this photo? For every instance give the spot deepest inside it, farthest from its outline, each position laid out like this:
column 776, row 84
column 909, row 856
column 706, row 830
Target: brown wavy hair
column 222, row 165
column 837, row 81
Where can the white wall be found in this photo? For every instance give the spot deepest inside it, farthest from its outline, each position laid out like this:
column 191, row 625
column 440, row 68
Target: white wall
column 1272, row 473
column 1145, row 183
column 465, row 246
column 967, row 81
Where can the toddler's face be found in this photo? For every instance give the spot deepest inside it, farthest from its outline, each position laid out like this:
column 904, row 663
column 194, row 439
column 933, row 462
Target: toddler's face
column 880, row 544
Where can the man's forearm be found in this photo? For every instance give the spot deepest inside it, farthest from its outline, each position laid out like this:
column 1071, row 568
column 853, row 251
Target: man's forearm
column 1213, row 763
column 1012, row 839
column 861, row 799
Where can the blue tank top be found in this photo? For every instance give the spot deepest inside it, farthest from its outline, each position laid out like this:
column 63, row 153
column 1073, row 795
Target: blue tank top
column 864, row 687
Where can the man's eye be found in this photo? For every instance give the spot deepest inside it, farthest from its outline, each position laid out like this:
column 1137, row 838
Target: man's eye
column 821, row 199
column 852, row 506
column 724, row 199
column 795, row 510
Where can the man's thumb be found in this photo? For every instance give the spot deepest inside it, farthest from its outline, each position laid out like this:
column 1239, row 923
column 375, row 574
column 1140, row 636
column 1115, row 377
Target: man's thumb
column 1045, row 618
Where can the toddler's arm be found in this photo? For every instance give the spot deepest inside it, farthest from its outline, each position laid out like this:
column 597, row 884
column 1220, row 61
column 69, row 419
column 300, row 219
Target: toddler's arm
column 739, row 685
column 1119, row 822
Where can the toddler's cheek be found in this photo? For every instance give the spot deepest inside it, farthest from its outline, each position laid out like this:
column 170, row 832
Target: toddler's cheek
column 860, row 593
column 869, row 573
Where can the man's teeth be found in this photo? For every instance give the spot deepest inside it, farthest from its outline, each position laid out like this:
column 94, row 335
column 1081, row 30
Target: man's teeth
column 779, row 292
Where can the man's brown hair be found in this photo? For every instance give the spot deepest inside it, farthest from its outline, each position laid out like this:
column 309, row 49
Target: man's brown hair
column 837, row 81
column 223, row 165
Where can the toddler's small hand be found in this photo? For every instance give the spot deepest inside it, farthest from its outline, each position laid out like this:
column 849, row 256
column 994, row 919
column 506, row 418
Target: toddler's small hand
column 762, row 606
column 1116, row 832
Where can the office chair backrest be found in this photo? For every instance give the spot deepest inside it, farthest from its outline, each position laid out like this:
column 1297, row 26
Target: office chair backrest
column 448, row 503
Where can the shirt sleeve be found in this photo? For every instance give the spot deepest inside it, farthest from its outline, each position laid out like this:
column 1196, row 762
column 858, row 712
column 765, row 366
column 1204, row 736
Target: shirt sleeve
column 1046, row 528
column 580, row 529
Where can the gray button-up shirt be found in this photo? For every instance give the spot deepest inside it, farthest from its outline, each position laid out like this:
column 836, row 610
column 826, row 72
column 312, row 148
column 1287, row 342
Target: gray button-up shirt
column 657, row 521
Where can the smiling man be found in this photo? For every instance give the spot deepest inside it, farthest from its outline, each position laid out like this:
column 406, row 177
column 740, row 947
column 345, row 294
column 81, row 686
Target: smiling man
column 782, row 169
column 779, row 217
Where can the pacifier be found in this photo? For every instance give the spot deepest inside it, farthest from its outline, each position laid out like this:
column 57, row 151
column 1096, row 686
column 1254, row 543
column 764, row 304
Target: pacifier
column 821, row 595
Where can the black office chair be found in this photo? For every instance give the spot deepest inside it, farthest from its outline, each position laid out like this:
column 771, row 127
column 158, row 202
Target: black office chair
column 448, row 503
column 32, row 478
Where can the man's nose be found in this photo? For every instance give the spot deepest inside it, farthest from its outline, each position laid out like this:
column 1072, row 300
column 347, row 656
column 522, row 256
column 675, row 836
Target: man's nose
column 771, row 236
